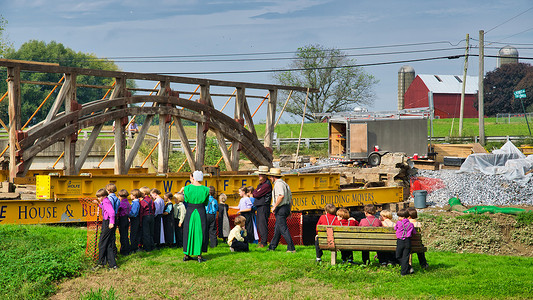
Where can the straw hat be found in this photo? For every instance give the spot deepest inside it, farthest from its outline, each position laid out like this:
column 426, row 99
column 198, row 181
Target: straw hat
column 275, row 172
column 263, row 170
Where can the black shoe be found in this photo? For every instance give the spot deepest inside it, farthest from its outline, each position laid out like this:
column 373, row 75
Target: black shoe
column 187, row 257
column 200, row 259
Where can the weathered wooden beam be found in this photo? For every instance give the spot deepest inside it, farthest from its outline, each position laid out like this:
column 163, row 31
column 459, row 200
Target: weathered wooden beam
column 46, row 68
column 164, row 141
column 120, row 136
column 185, row 143
column 88, row 146
column 58, row 102
column 271, row 116
column 138, row 141
column 13, row 88
column 71, row 103
column 248, row 117
column 225, row 153
column 239, row 107
column 201, row 129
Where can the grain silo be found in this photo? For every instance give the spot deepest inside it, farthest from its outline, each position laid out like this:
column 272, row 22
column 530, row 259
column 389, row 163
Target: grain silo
column 507, row 55
column 406, row 75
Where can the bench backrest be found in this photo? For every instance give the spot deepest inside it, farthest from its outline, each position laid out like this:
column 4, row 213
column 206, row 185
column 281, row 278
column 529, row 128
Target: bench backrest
column 363, row 238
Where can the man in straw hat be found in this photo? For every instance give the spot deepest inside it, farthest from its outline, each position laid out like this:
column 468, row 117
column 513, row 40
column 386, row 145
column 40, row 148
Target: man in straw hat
column 263, row 198
column 281, row 209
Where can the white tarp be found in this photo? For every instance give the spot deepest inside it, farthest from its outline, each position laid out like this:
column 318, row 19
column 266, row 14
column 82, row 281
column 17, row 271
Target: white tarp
column 507, row 161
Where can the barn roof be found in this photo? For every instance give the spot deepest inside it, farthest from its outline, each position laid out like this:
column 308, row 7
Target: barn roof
column 449, row 84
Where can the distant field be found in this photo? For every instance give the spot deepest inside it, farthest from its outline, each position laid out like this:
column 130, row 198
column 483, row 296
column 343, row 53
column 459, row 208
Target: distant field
column 441, row 128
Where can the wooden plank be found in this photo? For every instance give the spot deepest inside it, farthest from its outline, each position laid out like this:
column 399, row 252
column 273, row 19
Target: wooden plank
column 356, row 229
column 358, row 138
column 248, row 117
column 164, row 141
column 355, row 242
column 87, row 147
column 69, row 159
column 138, row 142
column 200, row 133
column 185, row 143
column 271, row 118
column 225, row 153
column 235, row 146
column 368, row 247
column 120, row 136
column 47, row 68
column 341, row 242
column 13, row 88
column 386, row 236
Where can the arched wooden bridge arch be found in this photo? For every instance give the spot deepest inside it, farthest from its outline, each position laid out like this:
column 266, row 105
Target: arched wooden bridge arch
column 63, row 126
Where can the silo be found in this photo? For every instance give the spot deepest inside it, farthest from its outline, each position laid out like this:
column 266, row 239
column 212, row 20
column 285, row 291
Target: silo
column 406, row 75
column 507, row 55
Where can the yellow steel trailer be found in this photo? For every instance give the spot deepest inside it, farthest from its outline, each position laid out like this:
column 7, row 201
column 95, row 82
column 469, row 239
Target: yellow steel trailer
column 68, row 198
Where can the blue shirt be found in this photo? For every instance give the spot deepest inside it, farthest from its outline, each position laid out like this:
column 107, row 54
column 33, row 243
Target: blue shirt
column 135, row 206
column 212, row 206
column 114, row 201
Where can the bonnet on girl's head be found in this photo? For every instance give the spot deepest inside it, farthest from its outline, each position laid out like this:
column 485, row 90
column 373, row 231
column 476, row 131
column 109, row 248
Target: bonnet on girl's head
column 198, row 175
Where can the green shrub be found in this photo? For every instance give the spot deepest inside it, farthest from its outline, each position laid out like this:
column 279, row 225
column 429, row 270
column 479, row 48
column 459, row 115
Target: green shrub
column 524, row 219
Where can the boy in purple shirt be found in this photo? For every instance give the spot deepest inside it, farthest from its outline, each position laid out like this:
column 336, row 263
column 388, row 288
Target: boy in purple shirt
column 111, row 189
column 404, row 231
column 105, row 245
column 123, row 221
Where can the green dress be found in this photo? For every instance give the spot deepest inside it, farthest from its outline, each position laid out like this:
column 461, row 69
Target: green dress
column 195, row 237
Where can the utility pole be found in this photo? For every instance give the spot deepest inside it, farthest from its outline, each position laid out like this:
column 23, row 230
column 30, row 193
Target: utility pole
column 481, row 113
column 464, row 87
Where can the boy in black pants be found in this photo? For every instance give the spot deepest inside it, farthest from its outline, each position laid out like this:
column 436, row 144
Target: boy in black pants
column 404, row 231
column 105, row 245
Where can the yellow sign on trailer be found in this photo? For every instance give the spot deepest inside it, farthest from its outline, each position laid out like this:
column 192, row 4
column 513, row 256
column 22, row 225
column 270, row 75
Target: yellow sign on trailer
column 68, row 198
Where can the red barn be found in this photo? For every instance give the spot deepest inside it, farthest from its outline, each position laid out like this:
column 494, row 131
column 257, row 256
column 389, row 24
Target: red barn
column 446, row 95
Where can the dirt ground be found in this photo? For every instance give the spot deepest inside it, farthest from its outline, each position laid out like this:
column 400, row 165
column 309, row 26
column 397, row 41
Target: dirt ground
column 496, row 234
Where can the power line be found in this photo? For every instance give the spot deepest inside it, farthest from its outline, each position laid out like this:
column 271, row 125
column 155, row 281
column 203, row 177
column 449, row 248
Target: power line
column 336, row 67
column 509, row 20
column 286, row 58
column 516, row 44
column 319, row 68
column 278, row 52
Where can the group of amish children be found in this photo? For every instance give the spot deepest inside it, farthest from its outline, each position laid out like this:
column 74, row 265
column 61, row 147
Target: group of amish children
column 405, row 229
column 152, row 221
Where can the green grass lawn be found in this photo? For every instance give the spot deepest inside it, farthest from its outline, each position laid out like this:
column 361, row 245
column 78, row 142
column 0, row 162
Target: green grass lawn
column 441, row 128
column 33, row 257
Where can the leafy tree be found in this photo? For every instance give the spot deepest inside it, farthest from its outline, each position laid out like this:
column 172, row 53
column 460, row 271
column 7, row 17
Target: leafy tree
column 341, row 86
column 4, row 43
column 32, row 95
column 500, row 84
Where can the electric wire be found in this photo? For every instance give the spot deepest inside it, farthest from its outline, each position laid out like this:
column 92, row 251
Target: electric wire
column 508, row 20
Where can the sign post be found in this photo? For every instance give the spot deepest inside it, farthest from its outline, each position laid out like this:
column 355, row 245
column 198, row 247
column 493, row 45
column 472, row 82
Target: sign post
column 521, row 94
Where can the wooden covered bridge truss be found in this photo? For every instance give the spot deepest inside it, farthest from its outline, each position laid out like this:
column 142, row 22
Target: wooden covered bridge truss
column 64, row 125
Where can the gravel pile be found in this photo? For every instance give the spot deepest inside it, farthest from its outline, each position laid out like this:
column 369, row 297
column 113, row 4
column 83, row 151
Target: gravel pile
column 477, row 189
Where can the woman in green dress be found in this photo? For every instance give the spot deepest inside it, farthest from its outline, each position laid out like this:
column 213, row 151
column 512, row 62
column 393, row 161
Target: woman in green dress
column 195, row 237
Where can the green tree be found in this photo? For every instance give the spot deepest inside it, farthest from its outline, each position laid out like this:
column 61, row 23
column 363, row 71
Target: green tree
column 341, row 85
column 500, row 84
column 32, row 95
column 4, row 42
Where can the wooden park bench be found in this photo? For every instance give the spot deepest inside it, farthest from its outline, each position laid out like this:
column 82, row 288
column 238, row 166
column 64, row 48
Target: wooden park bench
column 356, row 238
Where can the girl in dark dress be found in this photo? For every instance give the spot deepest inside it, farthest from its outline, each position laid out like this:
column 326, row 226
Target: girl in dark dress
column 168, row 220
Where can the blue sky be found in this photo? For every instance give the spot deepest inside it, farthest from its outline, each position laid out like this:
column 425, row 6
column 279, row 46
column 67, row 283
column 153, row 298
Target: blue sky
column 118, row 28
